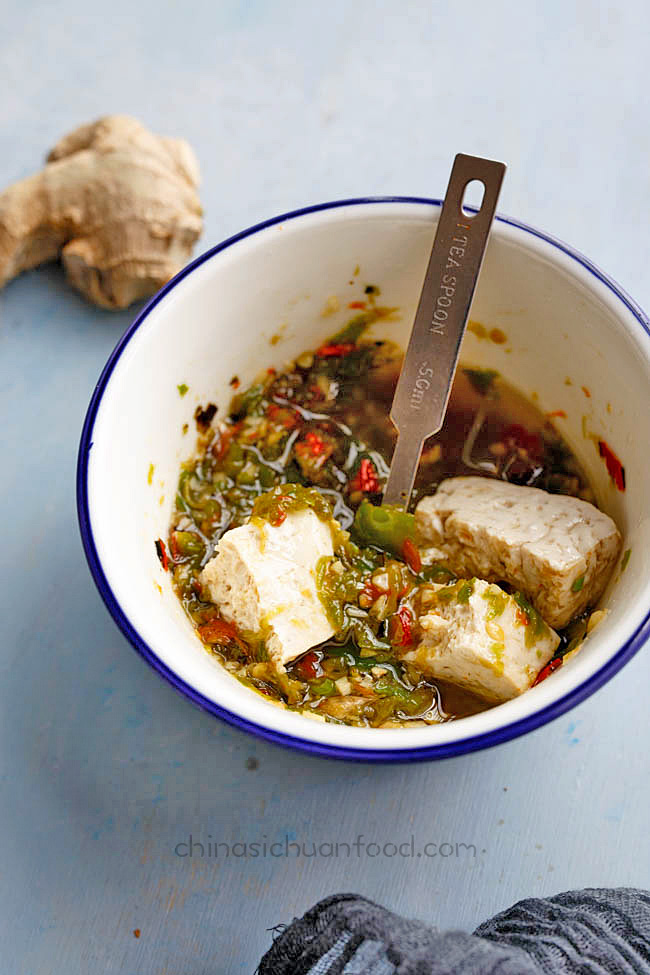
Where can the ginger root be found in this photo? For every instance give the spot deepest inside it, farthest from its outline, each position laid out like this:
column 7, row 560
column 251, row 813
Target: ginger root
column 115, row 202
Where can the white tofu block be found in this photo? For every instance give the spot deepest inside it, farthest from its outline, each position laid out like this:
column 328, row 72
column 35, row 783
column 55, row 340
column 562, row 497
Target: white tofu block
column 482, row 642
column 558, row 551
column 263, row 579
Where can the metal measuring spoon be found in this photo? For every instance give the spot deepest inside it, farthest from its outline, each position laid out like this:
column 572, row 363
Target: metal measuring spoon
column 429, row 366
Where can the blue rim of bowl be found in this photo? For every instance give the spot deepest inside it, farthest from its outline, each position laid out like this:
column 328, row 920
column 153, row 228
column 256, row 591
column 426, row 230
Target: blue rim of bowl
column 422, row 753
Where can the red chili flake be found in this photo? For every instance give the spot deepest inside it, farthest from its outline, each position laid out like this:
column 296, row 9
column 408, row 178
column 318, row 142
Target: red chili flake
column 221, row 442
column 136, row 932
column 371, row 591
column 368, row 476
column 316, row 444
column 614, row 467
column 218, row 631
column 356, row 304
column 336, row 348
column 547, row 670
column 402, row 627
column 586, row 391
column 522, row 618
column 555, row 413
column 308, row 667
column 235, row 382
column 365, row 479
column 162, row 554
column 271, row 371
column 281, row 512
column 406, row 620
column 173, row 546
column 279, row 414
column 411, row 556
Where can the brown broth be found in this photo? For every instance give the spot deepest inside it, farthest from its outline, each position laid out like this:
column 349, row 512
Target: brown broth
column 556, row 470
column 490, row 429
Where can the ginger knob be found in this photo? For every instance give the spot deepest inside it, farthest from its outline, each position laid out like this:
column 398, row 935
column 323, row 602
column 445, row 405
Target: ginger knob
column 116, row 203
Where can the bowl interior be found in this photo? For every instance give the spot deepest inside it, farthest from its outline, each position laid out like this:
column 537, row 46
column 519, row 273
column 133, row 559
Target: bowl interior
column 571, row 343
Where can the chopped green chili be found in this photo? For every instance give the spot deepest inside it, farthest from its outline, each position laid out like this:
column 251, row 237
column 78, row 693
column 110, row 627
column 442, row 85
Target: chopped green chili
column 385, row 526
column 482, row 379
column 578, row 584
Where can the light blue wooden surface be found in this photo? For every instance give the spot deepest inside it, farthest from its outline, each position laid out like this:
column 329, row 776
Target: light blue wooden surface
column 103, row 768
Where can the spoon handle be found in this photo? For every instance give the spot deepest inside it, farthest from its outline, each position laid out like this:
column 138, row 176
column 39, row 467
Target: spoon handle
column 422, row 393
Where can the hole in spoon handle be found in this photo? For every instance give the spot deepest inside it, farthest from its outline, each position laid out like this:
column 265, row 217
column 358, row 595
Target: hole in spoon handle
column 423, row 388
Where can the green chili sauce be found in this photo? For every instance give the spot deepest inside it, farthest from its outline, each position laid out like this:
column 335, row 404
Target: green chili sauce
column 318, row 435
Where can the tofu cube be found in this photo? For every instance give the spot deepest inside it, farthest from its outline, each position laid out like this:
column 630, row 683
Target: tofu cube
column 263, row 579
column 558, row 551
column 478, row 637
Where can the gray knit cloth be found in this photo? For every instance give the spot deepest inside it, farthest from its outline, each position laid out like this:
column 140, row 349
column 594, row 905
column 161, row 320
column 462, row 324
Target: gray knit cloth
column 595, row 931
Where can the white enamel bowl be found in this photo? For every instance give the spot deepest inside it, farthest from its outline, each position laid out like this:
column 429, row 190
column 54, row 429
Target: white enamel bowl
column 564, row 319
